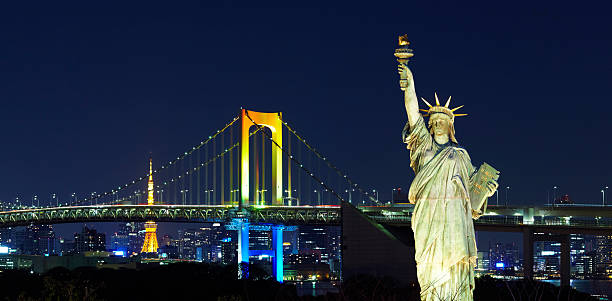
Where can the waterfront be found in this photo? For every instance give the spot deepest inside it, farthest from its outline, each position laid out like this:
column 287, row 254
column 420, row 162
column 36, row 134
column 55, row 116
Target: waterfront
column 593, row 287
column 598, row 288
column 315, row 288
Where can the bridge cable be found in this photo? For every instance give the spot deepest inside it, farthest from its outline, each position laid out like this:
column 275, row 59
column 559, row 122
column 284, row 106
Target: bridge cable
column 202, row 165
column 336, row 169
column 168, row 164
column 295, row 160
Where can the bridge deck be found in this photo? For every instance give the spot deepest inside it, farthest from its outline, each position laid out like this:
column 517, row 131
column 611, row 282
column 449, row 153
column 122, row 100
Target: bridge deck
column 562, row 219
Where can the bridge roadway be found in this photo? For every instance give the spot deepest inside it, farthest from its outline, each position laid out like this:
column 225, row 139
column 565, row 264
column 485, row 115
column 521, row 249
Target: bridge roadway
column 567, row 219
column 287, row 215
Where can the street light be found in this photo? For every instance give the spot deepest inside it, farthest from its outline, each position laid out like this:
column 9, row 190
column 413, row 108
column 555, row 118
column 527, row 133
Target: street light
column 208, row 191
column 392, row 193
column 497, row 197
column 290, row 198
column 184, row 192
column 507, row 188
column 349, row 194
column 160, row 193
column 374, row 190
column 261, row 196
column 319, row 195
column 137, row 193
column 555, row 194
column 233, row 195
column 603, row 196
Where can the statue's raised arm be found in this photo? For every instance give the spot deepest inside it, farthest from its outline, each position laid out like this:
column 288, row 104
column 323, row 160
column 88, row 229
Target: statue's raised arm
column 403, row 54
column 410, row 99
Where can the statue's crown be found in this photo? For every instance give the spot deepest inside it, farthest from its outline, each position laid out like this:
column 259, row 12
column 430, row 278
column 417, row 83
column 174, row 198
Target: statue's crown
column 442, row 109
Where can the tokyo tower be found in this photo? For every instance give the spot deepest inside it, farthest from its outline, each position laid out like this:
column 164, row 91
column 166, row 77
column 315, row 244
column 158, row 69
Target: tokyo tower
column 150, row 242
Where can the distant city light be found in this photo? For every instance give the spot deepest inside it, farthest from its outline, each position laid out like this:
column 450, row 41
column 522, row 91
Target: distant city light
column 119, row 253
column 548, row 253
column 499, row 265
column 4, row 250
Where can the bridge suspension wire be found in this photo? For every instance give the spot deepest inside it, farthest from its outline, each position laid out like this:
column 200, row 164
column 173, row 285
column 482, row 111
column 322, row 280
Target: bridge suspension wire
column 263, row 168
column 289, row 194
column 214, row 176
column 198, row 199
column 222, row 184
column 170, row 163
column 329, row 164
column 231, row 170
column 204, row 164
column 190, row 202
column 207, row 191
column 294, row 160
column 177, row 178
column 299, row 174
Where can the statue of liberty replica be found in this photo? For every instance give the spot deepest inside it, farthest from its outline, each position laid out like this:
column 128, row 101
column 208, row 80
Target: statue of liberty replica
column 446, row 191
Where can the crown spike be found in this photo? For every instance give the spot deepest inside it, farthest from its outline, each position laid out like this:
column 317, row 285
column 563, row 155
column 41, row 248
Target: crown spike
column 457, row 108
column 426, row 102
column 437, row 101
column 460, row 115
column 447, row 102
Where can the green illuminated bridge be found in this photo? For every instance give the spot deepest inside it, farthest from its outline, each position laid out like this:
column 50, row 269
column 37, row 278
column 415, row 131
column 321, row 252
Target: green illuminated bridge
column 288, row 215
column 565, row 219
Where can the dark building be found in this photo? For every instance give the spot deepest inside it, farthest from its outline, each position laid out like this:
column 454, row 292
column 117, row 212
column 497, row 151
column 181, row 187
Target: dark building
column 89, row 240
column 503, row 256
column 7, row 237
column 120, row 242
column 169, row 251
column 36, row 240
column 314, row 240
column 603, row 256
column 290, row 242
column 229, row 251
column 135, row 233
column 260, row 240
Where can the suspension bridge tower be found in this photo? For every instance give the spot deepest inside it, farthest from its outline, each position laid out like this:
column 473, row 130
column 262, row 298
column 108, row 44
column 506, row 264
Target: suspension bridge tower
column 150, row 241
column 272, row 121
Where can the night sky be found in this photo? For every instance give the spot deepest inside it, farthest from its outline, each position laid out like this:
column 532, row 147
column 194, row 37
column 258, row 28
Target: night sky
column 88, row 90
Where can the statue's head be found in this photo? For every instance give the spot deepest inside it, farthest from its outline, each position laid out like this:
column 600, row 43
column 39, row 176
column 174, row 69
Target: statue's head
column 442, row 118
column 441, row 124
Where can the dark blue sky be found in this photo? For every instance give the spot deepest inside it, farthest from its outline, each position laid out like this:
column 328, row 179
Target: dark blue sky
column 88, row 90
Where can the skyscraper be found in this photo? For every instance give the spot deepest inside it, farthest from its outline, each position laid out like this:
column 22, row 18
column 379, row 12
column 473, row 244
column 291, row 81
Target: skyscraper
column 39, row 240
column 603, row 256
column 89, row 240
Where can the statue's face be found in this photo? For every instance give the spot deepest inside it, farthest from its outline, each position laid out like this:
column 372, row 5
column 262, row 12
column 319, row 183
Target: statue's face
column 440, row 124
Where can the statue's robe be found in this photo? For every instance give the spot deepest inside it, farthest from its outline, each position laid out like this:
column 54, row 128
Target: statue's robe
column 445, row 245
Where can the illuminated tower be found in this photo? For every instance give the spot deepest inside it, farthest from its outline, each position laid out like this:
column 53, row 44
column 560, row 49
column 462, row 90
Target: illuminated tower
column 150, row 242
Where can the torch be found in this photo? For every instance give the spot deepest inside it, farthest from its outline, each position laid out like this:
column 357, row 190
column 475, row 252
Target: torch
column 403, row 54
